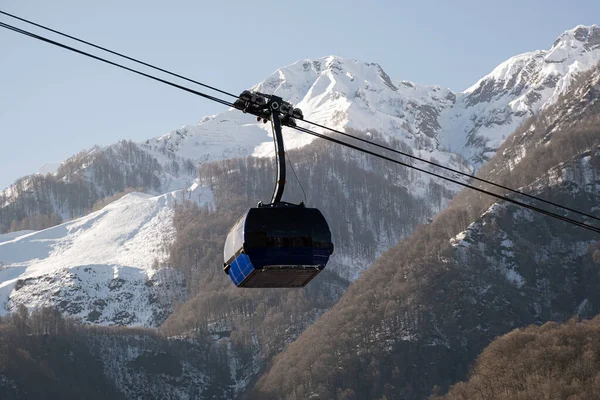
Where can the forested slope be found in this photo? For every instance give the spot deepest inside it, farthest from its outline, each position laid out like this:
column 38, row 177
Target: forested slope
column 425, row 310
column 552, row 361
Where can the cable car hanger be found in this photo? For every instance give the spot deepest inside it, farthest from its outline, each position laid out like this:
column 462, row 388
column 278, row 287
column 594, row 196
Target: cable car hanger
column 279, row 112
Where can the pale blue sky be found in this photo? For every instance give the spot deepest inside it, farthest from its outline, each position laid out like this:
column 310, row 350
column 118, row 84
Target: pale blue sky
column 54, row 103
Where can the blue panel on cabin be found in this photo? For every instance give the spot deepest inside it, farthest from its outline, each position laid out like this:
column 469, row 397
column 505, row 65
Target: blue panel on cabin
column 241, row 267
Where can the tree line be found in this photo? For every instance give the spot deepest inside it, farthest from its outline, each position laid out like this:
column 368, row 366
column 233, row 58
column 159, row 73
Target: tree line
column 81, row 184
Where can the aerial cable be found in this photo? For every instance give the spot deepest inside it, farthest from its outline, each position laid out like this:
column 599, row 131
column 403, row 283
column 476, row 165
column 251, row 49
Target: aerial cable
column 117, row 54
column 501, row 197
column 451, row 170
column 305, row 130
column 296, row 176
column 64, row 46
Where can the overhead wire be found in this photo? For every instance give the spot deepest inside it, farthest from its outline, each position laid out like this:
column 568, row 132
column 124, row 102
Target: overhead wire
column 64, row 46
column 470, row 176
column 296, row 176
column 498, row 196
column 116, row 53
column 334, row 140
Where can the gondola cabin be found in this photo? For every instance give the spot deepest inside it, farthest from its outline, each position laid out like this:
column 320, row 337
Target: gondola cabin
column 281, row 246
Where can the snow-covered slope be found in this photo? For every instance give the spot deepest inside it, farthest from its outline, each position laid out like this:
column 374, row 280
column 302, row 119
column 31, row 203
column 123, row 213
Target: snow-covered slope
column 341, row 93
column 100, row 268
column 490, row 110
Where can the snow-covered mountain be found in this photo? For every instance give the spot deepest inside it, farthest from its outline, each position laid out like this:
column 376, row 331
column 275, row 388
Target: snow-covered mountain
column 333, row 91
column 416, row 319
column 344, row 93
column 427, row 121
column 485, row 114
column 348, row 94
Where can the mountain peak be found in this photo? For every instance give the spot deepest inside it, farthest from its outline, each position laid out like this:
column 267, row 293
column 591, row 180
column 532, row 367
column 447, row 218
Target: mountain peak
column 574, row 42
column 330, row 89
column 310, row 69
column 517, row 89
column 586, row 36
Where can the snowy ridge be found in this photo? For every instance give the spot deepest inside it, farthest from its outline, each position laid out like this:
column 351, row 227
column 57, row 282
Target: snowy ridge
column 337, row 92
column 347, row 94
column 13, row 235
column 50, row 168
column 490, row 110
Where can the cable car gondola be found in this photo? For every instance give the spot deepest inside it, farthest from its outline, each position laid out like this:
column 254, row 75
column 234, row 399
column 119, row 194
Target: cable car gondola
column 276, row 245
